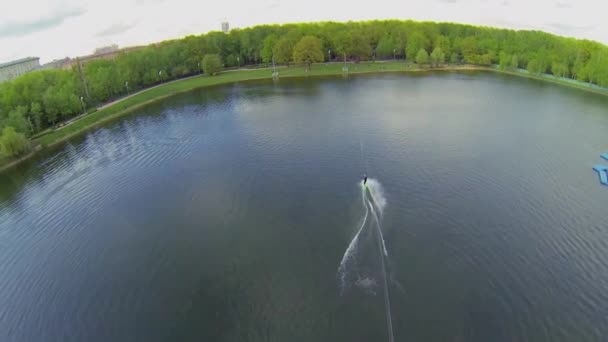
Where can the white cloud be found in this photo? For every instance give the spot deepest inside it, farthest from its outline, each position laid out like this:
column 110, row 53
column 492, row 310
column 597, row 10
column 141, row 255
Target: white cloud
column 115, row 29
column 57, row 28
column 16, row 28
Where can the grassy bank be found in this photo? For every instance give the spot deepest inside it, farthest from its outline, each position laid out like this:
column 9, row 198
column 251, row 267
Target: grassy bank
column 552, row 79
column 125, row 106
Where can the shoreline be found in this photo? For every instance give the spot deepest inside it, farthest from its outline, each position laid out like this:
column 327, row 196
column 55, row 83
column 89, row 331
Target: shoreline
column 123, row 106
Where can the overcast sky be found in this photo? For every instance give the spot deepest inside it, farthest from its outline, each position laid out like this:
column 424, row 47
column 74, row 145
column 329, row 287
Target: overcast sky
column 53, row 29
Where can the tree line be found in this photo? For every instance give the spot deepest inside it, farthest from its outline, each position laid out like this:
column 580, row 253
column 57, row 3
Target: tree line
column 42, row 99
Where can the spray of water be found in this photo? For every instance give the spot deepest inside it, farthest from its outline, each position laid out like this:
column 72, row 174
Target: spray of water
column 377, row 202
column 374, row 201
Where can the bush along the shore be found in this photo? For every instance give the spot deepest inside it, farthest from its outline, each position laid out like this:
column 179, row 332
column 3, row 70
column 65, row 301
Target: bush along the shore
column 12, row 143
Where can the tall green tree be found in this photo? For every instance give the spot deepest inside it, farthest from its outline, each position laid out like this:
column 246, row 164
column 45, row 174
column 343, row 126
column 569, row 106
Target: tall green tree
column 415, row 42
column 437, row 57
column 422, row 57
column 283, row 50
column 268, row 45
column 342, row 44
column 352, row 45
column 17, row 120
column 308, row 50
column 454, row 58
column 504, row 61
column 559, row 69
column 387, row 47
column 514, row 62
column 12, row 143
column 535, row 66
column 487, row 58
column 37, row 115
column 212, row 64
column 443, row 43
column 360, row 47
column 469, row 48
column 60, row 103
column 104, row 80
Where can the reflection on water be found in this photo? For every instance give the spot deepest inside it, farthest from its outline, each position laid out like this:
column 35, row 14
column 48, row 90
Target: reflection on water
column 223, row 215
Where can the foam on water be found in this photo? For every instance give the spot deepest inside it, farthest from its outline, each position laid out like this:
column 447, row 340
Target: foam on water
column 374, row 202
column 367, row 284
column 376, row 192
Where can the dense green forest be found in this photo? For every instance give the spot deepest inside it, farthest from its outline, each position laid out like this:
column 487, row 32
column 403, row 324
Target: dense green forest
column 41, row 99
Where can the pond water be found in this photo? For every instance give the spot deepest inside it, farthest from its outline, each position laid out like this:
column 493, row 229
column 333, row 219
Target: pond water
column 225, row 214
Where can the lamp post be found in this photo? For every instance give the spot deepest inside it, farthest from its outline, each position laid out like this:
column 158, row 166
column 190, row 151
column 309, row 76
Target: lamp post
column 395, row 54
column 238, row 62
column 329, row 55
column 82, row 104
column 199, row 67
column 160, row 78
column 127, row 86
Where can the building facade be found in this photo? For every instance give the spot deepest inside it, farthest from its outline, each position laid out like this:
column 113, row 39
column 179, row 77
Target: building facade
column 106, row 49
column 71, row 63
column 13, row 69
column 64, row 63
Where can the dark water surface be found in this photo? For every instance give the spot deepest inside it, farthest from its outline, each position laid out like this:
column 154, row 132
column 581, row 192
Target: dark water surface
column 223, row 215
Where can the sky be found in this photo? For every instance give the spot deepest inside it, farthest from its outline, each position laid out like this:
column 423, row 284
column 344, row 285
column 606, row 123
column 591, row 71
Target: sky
column 54, row 29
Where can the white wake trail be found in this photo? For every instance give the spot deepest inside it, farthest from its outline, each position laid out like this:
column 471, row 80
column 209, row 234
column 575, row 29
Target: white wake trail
column 375, row 202
column 378, row 200
column 376, row 192
column 383, row 245
column 352, row 246
column 387, row 301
